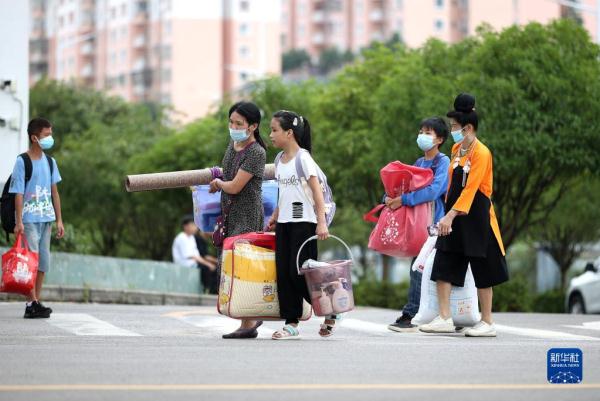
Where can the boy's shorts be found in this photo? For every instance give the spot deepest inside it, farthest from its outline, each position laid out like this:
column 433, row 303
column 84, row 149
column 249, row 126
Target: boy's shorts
column 38, row 239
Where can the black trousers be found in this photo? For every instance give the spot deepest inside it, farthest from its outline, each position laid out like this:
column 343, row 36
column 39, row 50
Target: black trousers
column 291, row 287
column 209, row 279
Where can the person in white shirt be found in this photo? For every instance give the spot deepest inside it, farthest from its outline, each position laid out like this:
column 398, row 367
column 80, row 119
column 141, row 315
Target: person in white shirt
column 185, row 250
column 299, row 215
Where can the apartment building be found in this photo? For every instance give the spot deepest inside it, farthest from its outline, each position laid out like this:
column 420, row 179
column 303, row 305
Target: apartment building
column 184, row 53
column 314, row 25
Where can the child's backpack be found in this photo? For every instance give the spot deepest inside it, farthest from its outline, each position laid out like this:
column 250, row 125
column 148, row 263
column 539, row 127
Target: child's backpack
column 7, row 201
column 327, row 194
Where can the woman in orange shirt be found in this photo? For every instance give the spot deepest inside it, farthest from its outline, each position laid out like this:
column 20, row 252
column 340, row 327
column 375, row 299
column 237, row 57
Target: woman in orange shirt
column 469, row 233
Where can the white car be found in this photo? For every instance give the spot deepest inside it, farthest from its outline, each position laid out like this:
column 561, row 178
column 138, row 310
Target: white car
column 583, row 295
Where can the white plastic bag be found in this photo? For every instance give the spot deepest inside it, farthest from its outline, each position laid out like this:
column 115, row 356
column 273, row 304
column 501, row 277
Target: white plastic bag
column 464, row 306
column 427, row 248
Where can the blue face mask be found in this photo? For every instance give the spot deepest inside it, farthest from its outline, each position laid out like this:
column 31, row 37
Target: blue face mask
column 457, row 135
column 47, row 142
column 238, row 135
column 425, row 142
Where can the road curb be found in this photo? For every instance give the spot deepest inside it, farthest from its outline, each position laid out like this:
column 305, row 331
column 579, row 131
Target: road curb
column 85, row 295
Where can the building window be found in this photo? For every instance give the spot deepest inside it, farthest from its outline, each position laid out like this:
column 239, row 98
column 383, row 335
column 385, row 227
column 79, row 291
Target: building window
column 244, row 76
column 166, row 52
column 245, row 5
column 301, row 9
column 439, row 3
column 113, row 58
column 61, row 22
column 113, row 35
column 167, row 28
column 124, row 32
column 123, row 10
column 244, row 52
column 399, row 4
column 165, row 76
column 301, row 31
column 123, row 56
column 244, row 29
column 113, row 13
column 439, row 25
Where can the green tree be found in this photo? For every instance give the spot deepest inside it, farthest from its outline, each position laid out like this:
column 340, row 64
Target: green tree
column 294, row 59
column 332, row 58
column 574, row 223
column 98, row 135
column 537, row 102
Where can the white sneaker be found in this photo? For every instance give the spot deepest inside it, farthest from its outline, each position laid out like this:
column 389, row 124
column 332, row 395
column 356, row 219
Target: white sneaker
column 481, row 329
column 439, row 325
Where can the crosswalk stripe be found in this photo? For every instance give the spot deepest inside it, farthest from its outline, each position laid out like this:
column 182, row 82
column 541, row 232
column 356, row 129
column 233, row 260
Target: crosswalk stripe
column 585, row 326
column 82, row 324
column 544, row 334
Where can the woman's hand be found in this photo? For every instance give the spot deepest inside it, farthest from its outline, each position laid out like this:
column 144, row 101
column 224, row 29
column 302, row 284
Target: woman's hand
column 270, row 225
column 322, row 231
column 445, row 224
column 215, row 185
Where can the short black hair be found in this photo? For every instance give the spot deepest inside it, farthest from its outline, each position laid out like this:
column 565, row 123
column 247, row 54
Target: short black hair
column 464, row 111
column 438, row 125
column 187, row 219
column 36, row 126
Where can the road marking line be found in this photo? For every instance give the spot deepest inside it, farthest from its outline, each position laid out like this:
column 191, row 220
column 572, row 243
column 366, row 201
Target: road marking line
column 82, row 324
column 305, row 387
column 377, row 328
column 586, row 326
column 545, row 334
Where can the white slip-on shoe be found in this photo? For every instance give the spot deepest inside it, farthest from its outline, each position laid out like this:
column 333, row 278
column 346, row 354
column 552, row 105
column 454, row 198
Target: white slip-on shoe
column 439, row 325
column 481, row 329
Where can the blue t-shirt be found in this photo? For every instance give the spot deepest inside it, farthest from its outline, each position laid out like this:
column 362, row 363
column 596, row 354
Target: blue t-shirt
column 37, row 195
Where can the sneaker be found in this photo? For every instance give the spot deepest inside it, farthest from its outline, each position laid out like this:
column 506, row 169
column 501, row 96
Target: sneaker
column 35, row 311
column 439, row 325
column 43, row 307
column 481, row 329
column 403, row 324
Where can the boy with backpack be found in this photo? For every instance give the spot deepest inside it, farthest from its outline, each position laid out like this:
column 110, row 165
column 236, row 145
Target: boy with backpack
column 432, row 135
column 34, row 194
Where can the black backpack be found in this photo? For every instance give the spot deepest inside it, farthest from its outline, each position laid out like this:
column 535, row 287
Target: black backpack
column 7, row 201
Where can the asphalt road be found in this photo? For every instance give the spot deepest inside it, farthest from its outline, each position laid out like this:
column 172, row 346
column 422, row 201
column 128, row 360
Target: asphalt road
column 126, row 352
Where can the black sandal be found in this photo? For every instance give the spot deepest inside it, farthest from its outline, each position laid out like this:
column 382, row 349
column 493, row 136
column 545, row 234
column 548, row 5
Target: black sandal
column 244, row 333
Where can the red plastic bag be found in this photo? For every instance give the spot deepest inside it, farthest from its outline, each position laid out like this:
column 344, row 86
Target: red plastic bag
column 401, row 232
column 399, row 178
column 19, row 268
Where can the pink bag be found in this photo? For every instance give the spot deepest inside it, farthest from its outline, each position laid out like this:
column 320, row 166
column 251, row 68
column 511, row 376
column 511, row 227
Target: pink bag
column 401, row 232
column 399, row 178
column 19, row 268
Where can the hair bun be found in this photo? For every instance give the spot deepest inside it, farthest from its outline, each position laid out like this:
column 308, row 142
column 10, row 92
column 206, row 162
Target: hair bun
column 464, row 103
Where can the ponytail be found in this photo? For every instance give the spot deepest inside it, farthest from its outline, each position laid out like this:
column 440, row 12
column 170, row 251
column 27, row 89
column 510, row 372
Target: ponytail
column 299, row 126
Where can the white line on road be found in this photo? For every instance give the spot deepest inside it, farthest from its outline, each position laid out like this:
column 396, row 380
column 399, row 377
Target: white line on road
column 545, row 334
column 82, row 324
column 377, row 328
column 586, row 326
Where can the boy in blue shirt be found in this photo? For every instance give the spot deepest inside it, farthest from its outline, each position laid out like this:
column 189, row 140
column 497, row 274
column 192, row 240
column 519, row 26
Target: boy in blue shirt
column 432, row 135
column 37, row 205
